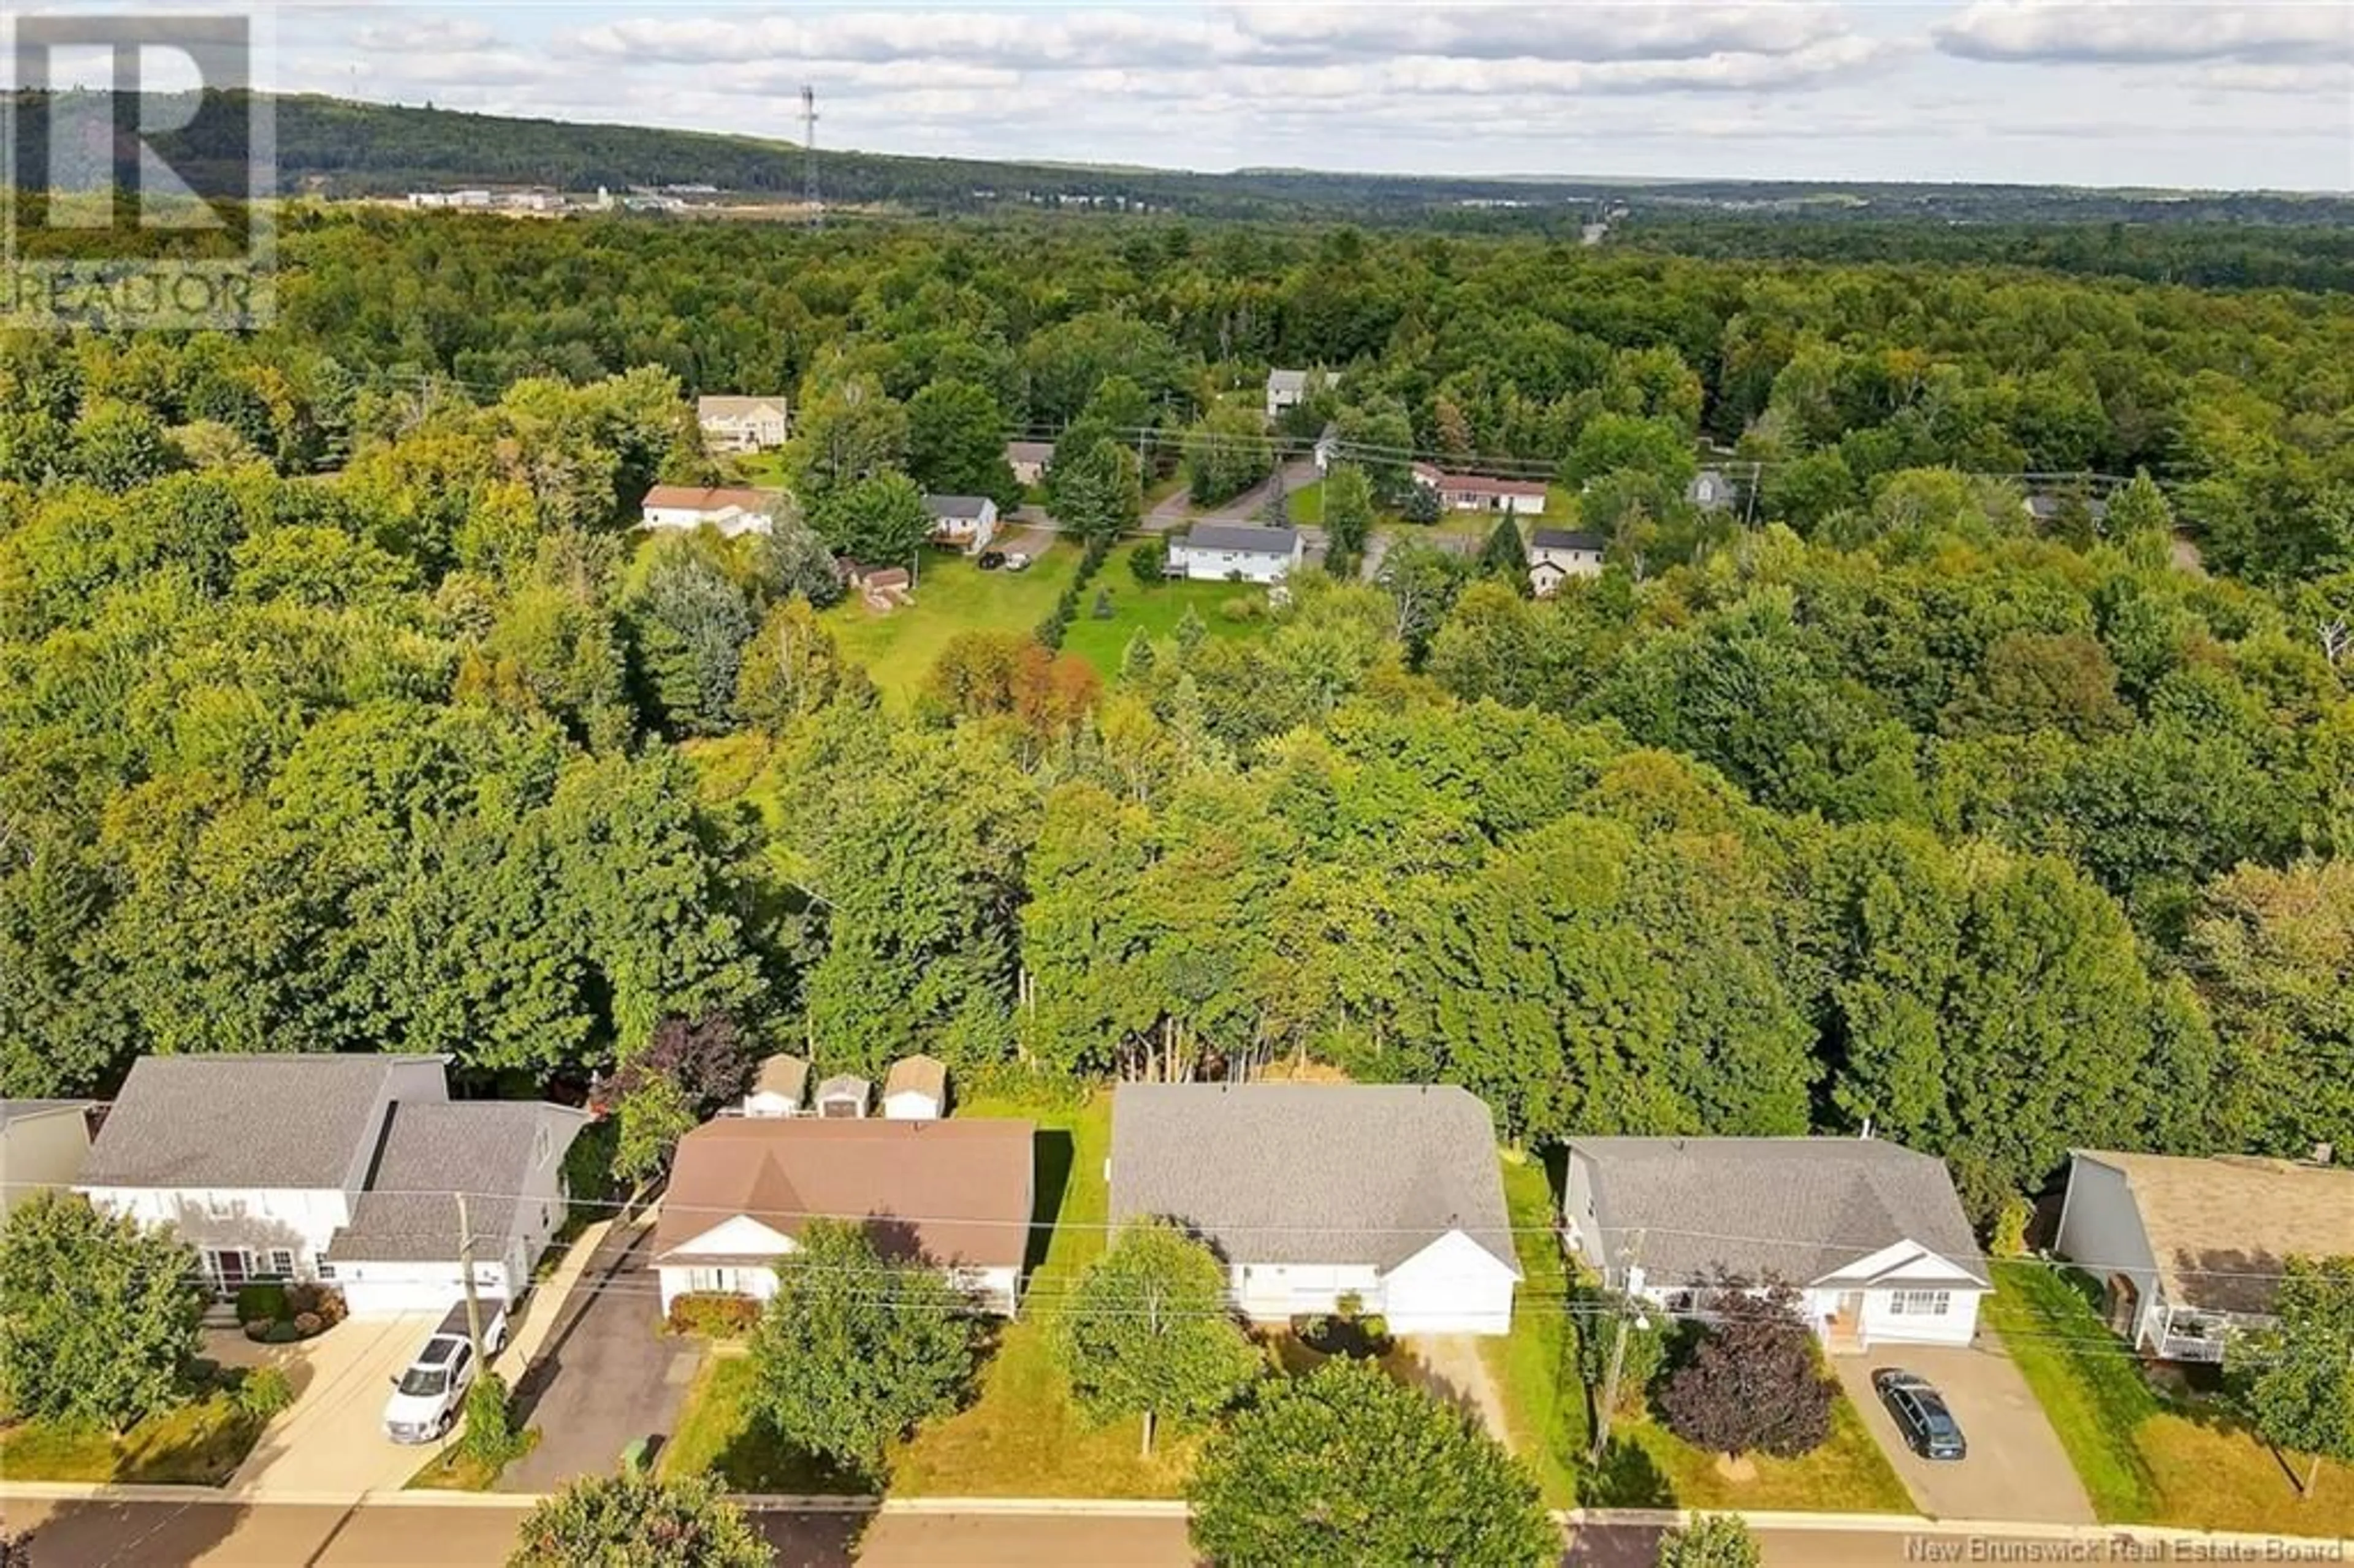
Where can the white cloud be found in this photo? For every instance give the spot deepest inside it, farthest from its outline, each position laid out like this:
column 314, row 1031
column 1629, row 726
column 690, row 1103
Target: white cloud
column 2124, row 32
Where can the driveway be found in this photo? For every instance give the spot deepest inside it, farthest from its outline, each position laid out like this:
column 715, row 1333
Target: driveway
column 605, row 1374
column 1176, row 510
column 2016, row 1467
column 331, row 1439
column 1450, row 1367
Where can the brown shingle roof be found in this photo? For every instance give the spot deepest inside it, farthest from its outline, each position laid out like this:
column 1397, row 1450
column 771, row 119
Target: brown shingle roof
column 921, row 1075
column 961, row 1188
column 781, row 1075
column 698, row 498
column 2222, row 1230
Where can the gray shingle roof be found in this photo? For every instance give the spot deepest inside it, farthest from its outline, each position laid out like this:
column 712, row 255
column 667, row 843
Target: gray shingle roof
column 1311, row 1172
column 845, row 1086
column 721, row 406
column 1246, row 537
column 955, row 505
column 1567, row 539
column 1793, row 1208
column 1286, row 380
column 433, row 1148
column 291, row 1121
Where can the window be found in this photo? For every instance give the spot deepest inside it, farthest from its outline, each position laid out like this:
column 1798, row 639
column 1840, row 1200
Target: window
column 276, row 1263
column 1918, row 1303
column 325, row 1270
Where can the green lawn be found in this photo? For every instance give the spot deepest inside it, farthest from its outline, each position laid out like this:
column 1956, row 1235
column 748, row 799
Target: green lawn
column 1306, row 505
column 718, row 1436
column 1024, row 1436
column 1648, row 1467
column 1155, row 610
column 1535, row 1366
column 200, row 1444
column 2143, row 1457
column 454, row 1471
column 952, row 595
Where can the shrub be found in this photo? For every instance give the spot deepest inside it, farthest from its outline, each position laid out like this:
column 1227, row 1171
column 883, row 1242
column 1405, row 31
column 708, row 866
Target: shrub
column 263, row 1301
column 1242, row 607
column 1710, row 1541
column 263, row 1393
column 1647, row 1347
column 490, row 1440
column 1148, row 562
column 1754, row 1380
column 258, row 1330
column 281, row 1332
column 323, row 1302
column 2011, row 1223
column 1102, row 610
column 714, row 1316
column 308, row 1323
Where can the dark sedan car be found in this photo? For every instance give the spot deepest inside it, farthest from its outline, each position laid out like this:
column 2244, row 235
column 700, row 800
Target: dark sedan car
column 1920, row 1415
column 991, row 559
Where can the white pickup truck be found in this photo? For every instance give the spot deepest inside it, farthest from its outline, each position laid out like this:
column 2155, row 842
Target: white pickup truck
column 427, row 1398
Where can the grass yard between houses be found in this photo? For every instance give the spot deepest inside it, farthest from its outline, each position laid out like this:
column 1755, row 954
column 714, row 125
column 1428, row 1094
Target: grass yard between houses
column 200, row 1444
column 1154, row 610
column 1650, row 1465
column 452, row 1470
column 718, row 1435
column 1306, row 505
column 952, row 595
column 1024, row 1436
column 1535, row 1366
column 2145, row 1458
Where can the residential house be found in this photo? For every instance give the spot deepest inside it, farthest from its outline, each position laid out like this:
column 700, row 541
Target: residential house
column 2044, row 508
column 1481, row 492
column 1870, row 1235
column 967, row 522
column 2188, row 1251
column 1313, row 1193
column 1029, row 460
column 43, row 1146
column 844, row 1095
column 742, row 424
column 916, row 1090
column 1234, row 552
column 1285, row 390
column 1556, row 554
column 1712, row 490
column 743, row 1190
column 732, row 511
column 337, row 1167
column 779, row 1088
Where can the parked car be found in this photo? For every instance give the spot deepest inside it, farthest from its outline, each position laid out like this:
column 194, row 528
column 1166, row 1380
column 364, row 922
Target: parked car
column 427, row 1398
column 989, row 560
column 1929, row 1427
column 1015, row 561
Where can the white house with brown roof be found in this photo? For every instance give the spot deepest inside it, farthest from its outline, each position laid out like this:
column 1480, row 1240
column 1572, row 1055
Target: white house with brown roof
column 732, row 511
column 742, row 424
column 742, row 1190
column 2189, row 1250
column 1481, row 492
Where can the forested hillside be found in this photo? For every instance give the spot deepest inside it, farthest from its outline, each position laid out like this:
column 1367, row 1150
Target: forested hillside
column 341, row 709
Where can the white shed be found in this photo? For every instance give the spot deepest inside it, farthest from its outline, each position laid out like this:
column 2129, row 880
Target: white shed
column 844, row 1095
column 779, row 1088
column 916, row 1090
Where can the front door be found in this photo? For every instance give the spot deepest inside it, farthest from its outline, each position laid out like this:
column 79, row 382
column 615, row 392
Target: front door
column 229, row 1267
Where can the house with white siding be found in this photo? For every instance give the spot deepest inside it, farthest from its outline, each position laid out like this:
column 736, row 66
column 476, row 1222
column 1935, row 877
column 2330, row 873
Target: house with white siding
column 338, row 1169
column 1557, row 555
column 1029, row 460
column 1234, row 552
column 731, row 510
column 742, row 424
column 1285, row 390
column 2189, row 1251
column 1481, row 492
column 1390, row 1193
column 953, row 1193
column 966, row 522
column 1871, row 1235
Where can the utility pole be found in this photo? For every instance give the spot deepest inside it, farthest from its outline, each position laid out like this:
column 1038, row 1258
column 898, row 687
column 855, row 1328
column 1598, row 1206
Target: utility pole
column 809, row 157
column 1609, row 1401
column 466, row 1263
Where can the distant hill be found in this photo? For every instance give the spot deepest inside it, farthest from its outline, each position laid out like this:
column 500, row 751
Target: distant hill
column 338, row 147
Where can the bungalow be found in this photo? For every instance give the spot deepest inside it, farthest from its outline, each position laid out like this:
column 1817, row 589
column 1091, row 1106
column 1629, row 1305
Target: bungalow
column 916, row 1090
column 342, row 1169
column 742, row 1190
column 43, row 1145
column 1556, row 554
column 1029, row 460
column 742, row 424
column 732, row 511
column 1312, row 1192
column 844, row 1096
column 1711, row 491
column 2188, row 1251
column 1480, row 492
column 1285, row 390
column 1234, row 552
column 1870, row 1235
column 779, row 1087
column 967, row 522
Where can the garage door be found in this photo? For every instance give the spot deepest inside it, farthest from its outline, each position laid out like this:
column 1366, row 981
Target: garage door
column 390, row 1298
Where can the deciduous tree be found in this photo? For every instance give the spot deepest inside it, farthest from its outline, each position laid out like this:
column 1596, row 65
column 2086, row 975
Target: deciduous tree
column 634, row 1520
column 1149, row 1332
column 1754, row 1380
column 99, row 1315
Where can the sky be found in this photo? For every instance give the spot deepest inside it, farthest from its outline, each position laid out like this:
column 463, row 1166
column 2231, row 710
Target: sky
column 2037, row 92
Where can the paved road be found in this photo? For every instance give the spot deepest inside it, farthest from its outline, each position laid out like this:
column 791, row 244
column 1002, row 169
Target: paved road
column 607, row 1375
column 2016, row 1467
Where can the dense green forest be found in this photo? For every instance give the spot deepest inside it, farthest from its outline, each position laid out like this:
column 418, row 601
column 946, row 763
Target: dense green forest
column 341, row 709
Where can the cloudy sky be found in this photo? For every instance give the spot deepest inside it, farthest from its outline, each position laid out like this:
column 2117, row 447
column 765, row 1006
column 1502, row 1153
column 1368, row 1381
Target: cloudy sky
column 2148, row 92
